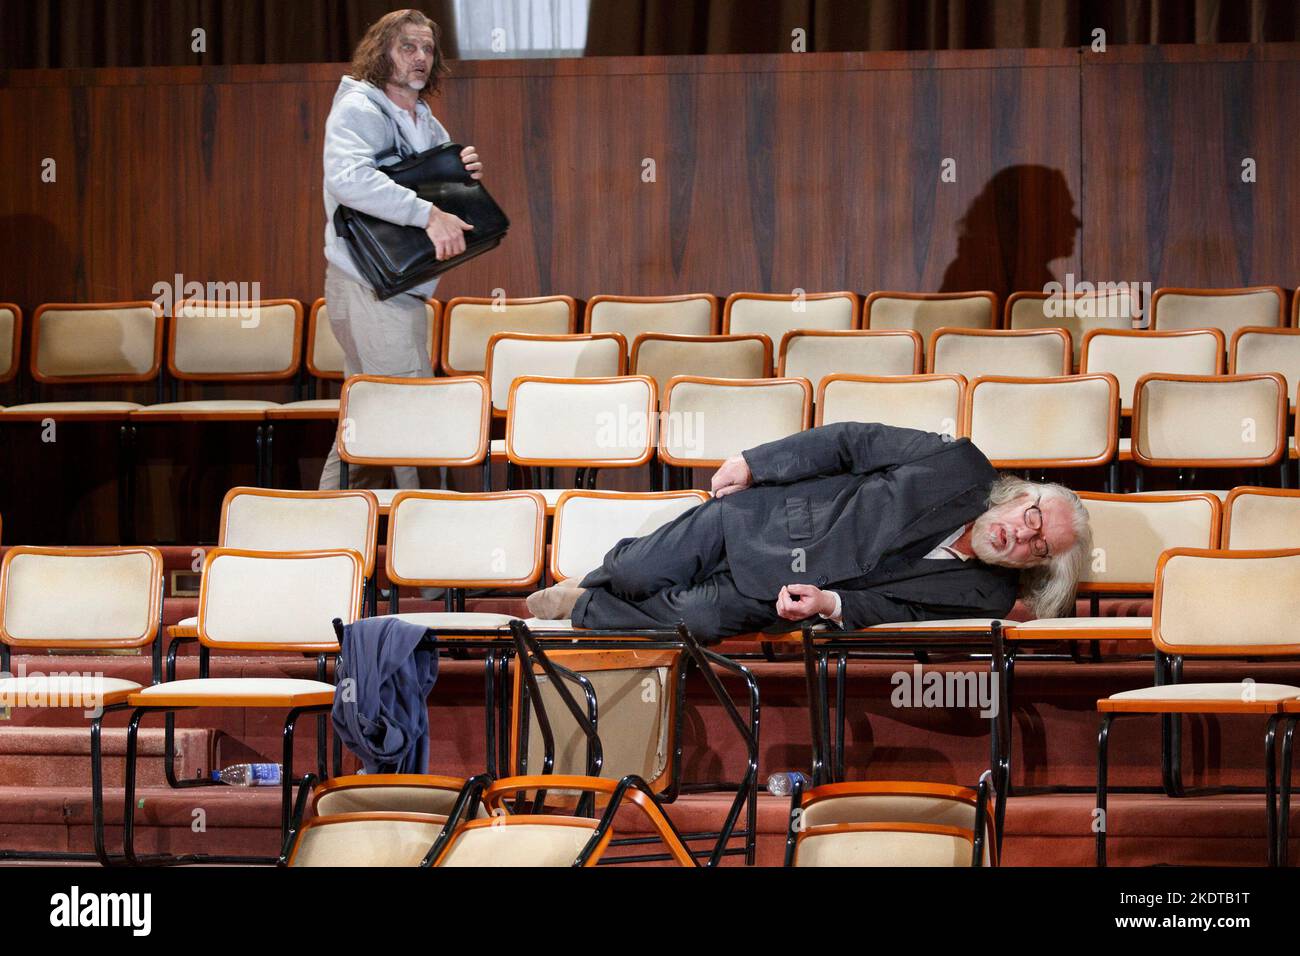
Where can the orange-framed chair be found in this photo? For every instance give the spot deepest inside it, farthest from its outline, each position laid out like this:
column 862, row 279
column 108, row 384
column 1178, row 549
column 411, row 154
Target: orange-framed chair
column 927, row 311
column 775, row 314
column 1130, row 354
column 256, row 601
column 588, row 523
column 1257, row 349
column 930, row 403
column 93, row 343
column 1208, row 422
column 89, row 345
column 511, row 355
column 892, row 823
column 413, row 422
column 1113, row 307
column 521, row 839
column 233, row 343
column 323, row 362
column 1224, row 309
column 1070, row 421
column 695, row 313
column 582, row 423
column 662, row 355
column 816, row 353
column 1023, row 353
column 446, row 539
column 389, row 819
column 269, row 519
column 468, row 322
column 84, row 599
column 706, row 420
column 1198, row 613
column 1260, row 519
column 635, row 704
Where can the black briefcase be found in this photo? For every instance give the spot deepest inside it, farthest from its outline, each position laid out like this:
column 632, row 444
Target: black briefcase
column 395, row 258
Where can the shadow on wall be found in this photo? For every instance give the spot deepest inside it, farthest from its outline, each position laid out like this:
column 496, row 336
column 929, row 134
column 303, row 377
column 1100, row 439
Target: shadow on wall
column 39, row 265
column 1021, row 221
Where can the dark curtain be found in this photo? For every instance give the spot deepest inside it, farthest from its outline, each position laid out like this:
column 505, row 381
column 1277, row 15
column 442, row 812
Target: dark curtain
column 635, row 27
column 99, row 33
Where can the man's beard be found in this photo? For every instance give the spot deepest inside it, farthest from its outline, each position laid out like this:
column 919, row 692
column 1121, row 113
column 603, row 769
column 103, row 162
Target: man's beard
column 981, row 542
column 411, row 80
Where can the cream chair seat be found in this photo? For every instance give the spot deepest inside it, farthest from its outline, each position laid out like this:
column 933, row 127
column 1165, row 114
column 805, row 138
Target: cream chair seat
column 437, row 620
column 949, row 624
column 1228, row 692
column 237, row 692
column 206, row 410
column 71, row 690
column 312, row 408
column 71, row 411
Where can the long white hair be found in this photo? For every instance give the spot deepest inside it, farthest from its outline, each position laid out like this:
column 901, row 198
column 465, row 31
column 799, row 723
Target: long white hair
column 1048, row 588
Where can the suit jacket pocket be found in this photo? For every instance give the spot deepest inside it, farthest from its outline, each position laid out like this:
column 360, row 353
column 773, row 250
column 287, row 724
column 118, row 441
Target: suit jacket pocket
column 798, row 518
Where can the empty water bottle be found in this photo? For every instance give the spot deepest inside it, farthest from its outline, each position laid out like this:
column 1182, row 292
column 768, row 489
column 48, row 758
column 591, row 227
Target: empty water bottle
column 782, row 784
column 250, row 775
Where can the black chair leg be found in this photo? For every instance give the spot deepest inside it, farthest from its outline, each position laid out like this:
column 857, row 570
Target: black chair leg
column 128, row 795
column 1100, row 822
column 1270, row 787
column 1284, row 799
column 97, row 790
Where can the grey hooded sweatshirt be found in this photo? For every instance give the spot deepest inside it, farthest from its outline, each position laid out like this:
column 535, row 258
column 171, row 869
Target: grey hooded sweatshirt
column 362, row 133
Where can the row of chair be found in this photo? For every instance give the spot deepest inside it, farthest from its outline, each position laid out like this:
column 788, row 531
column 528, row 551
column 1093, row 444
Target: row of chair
column 1212, row 421
column 498, row 540
column 123, row 341
column 858, row 824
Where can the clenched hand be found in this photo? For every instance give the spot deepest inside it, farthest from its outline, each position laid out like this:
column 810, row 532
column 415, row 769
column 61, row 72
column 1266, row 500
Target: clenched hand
column 731, row 477
column 799, row 601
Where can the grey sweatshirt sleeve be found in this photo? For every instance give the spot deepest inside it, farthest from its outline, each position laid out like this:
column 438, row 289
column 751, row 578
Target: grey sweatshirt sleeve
column 354, row 134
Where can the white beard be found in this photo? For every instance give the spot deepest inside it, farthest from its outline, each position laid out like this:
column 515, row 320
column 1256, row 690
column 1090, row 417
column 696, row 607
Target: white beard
column 984, row 548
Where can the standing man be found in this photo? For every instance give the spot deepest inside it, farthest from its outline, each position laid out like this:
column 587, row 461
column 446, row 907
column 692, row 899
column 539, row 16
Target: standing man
column 380, row 116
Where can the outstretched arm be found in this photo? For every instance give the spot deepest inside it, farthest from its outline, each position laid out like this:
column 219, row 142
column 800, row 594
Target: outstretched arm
column 855, row 447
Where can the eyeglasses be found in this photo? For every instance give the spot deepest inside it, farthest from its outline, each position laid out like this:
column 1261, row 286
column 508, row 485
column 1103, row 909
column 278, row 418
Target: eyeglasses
column 1034, row 522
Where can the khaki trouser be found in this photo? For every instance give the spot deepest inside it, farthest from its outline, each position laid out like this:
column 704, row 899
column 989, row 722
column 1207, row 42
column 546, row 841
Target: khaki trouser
column 378, row 338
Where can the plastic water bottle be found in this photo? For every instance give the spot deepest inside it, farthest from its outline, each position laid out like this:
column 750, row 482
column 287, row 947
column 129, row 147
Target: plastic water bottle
column 782, row 784
column 250, row 775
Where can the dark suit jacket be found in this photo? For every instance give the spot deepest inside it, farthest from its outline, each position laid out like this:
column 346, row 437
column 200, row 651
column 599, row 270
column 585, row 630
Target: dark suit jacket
column 854, row 508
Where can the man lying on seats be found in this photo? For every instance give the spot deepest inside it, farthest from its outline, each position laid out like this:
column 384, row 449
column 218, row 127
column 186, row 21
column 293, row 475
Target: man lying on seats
column 896, row 525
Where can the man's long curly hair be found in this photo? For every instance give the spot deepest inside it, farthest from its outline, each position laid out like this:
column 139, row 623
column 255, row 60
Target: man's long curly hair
column 371, row 62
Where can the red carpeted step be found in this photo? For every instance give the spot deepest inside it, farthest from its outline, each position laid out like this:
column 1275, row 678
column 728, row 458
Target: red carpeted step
column 58, row 756
column 1054, row 721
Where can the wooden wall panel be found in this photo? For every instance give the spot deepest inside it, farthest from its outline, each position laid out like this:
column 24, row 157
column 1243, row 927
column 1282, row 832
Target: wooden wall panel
column 1167, row 130
column 815, row 171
